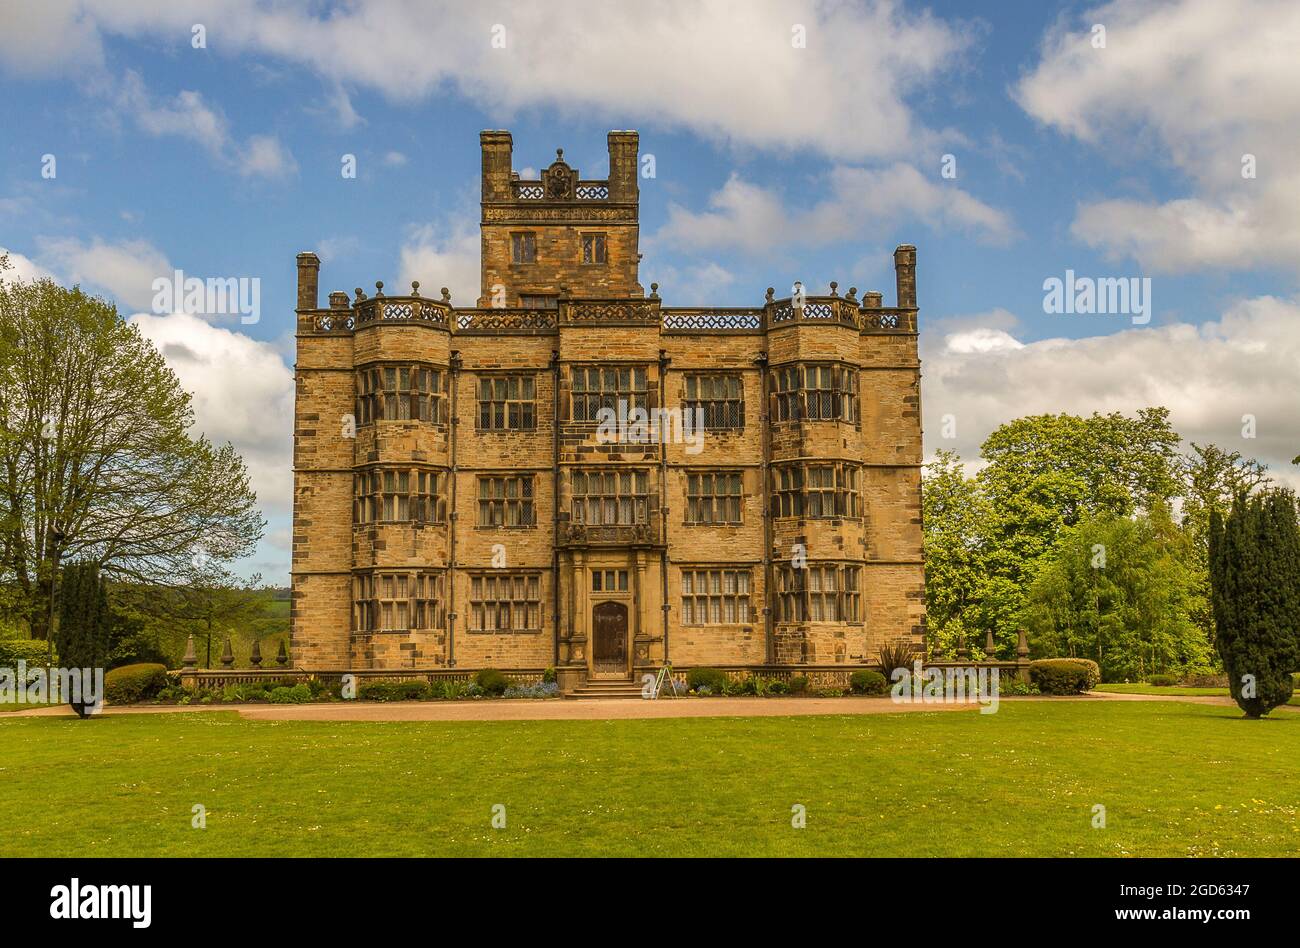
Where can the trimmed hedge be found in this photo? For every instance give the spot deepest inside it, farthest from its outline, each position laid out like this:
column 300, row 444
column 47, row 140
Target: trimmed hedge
column 1203, row 676
column 798, row 684
column 1162, row 681
column 394, row 691
column 1064, row 676
column 492, row 682
column 867, row 682
column 132, row 683
column 711, row 678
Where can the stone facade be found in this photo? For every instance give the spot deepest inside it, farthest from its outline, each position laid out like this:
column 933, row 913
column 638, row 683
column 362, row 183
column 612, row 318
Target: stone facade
column 518, row 484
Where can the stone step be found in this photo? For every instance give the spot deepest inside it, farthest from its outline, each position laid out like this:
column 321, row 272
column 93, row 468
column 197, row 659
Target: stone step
column 606, row 689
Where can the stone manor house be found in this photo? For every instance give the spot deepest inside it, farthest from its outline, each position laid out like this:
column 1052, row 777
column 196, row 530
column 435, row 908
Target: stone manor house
column 462, row 498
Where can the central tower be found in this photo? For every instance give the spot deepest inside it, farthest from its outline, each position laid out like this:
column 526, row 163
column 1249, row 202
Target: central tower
column 558, row 235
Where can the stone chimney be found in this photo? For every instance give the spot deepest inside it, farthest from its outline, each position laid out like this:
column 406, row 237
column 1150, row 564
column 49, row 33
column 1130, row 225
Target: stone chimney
column 308, row 275
column 624, row 180
column 905, row 276
column 498, row 151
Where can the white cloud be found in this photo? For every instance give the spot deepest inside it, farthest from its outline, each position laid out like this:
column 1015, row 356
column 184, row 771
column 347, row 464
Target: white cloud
column 126, row 271
column 243, row 393
column 395, row 159
column 22, row 268
column 1208, row 375
column 42, row 39
column 347, row 116
column 981, row 340
column 264, row 156
column 723, row 69
column 335, row 249
column 187, row 115
column 858, row 200
column 1196, row 84
column 439, row 259
column 703, row 283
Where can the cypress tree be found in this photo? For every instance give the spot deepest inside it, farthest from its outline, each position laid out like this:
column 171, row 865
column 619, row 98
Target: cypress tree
column 1255, row 592
column 82, row 637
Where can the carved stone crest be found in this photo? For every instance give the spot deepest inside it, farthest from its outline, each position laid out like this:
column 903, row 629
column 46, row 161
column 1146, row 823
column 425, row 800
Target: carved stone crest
column 560, row 179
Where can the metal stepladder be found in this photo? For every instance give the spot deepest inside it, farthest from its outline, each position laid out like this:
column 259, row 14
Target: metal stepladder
column 665, row 675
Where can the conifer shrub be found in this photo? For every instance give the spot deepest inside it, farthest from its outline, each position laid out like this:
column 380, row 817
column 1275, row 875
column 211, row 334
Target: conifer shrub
column 1255, row 592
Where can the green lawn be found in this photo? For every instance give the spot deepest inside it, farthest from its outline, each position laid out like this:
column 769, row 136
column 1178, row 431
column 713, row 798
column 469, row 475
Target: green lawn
column 22, row 705
column 1176, row 691
column 1176, row 779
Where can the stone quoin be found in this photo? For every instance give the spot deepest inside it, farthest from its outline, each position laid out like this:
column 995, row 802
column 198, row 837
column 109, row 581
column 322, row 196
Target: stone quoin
column 455, row 505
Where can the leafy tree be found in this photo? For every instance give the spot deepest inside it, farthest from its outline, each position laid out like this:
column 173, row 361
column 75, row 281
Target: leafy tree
column 1255, row 582
column 209, row 603
column 96, row 458
column 1212, row 478
column 1120, row 591
column 952, row 513
column 215, row 600
column 82, row 638
column 1046, row 473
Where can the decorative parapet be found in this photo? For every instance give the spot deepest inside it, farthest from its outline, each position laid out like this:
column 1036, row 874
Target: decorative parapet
column 815, row 309
column 505, row 321
column 581, row 191
column 713, row 320
column 401, row 309
column 887, row 321
column 326, row 320
column 616, row 312
column 777, row 314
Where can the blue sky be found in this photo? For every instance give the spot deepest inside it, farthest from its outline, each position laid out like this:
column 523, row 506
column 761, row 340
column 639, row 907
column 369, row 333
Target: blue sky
column 774, row 162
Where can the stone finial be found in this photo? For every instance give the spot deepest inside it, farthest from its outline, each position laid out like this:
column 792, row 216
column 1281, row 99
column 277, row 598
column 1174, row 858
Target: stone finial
column 559, row 154
column 963, row 651
column 190, row 660
column 853, row 293
column 415, row 287
column 989, row 647
column 360, row 295
column 256, row 656
column 834, row 287
column 1022, row 645
column 654, row 291
column 379, row 288
column 771, row 292
column 227, row 656
column 446, row 295
column 283, row 657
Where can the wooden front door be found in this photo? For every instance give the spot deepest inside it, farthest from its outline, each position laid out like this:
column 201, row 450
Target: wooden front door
column 609, row 655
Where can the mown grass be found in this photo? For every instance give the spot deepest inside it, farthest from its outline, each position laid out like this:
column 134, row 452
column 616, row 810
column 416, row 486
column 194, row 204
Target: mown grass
column 1175, row 779
column 22, row 705
column 1174, row 691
